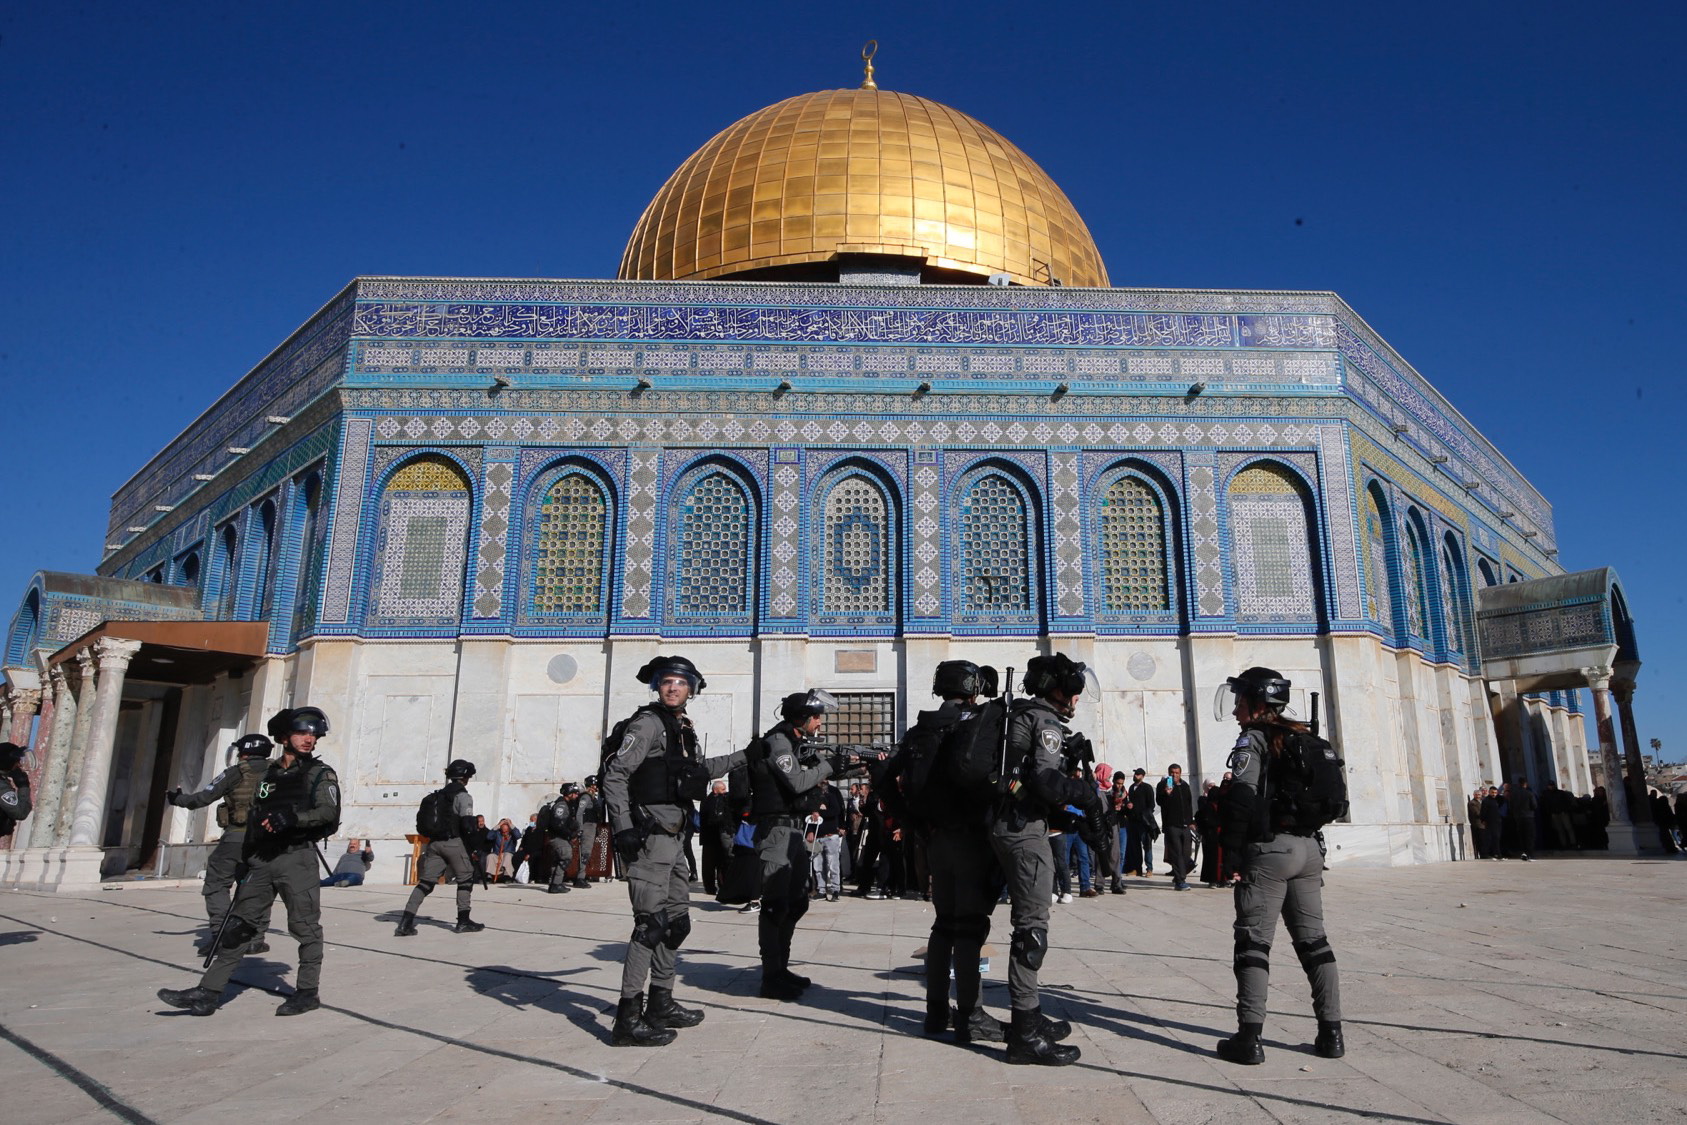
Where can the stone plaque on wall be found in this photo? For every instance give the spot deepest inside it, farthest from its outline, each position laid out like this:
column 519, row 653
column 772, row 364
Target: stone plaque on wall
column 856, row 660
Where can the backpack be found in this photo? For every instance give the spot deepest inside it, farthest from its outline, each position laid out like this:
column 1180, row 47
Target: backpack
column 918, row 776
column 559, row 818
column 972, row 752
column 1310, row 781
column 436, row 819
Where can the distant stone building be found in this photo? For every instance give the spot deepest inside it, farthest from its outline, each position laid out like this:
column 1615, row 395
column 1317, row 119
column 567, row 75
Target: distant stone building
column 804, row 442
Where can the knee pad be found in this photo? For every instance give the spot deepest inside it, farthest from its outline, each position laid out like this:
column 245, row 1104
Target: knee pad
column 1314, row 952
column 1251, row 954
column 650, row 929
column 239, row 934
column 426, row 886
column 1030, row 947
column 678, row 929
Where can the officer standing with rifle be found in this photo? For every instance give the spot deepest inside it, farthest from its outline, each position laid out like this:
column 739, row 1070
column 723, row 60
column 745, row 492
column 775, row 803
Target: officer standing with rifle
column 965, row 881
column 652, row 774
column 297, row 803
column 1277, row 815
column 455, row 840
column 787, row 782
column 1037, row 772
column 560, row 823
column 234, row 787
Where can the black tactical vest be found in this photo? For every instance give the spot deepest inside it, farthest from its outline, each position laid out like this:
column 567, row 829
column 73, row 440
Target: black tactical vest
column 657, row 779
column 292, row 788
column 236, row 808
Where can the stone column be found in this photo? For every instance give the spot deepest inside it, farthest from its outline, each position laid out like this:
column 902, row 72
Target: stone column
column 1640, row 812
column 25, row 703
column 78, row 747
column 91, row 791
column 57, row 754
column 1624, row 839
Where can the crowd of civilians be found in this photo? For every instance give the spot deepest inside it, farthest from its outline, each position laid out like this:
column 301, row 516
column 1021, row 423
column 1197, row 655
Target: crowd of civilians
column 859, row 847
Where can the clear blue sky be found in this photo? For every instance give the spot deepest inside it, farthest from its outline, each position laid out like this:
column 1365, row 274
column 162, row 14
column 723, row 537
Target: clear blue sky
column 1496, row 188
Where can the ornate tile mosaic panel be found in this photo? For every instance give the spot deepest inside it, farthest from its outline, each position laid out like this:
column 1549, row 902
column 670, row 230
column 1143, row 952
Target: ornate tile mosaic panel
column 1417, row 585
column 421, row 545
column 785, row 536
column 1379, row 597
column 855, row 564
column 712, row 561
column 1205, row 548
column 643, row 470
column 1270, row 547
column 494, row 534
column 569, row 545
column 996, row 570
column 350, row 471
column 1133, row 548
column 1065, row 514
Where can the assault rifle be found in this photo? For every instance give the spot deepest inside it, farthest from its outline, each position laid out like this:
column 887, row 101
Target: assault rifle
column 850, row 759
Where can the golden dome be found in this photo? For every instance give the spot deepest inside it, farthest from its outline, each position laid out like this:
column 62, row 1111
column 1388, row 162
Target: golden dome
column 863, row 171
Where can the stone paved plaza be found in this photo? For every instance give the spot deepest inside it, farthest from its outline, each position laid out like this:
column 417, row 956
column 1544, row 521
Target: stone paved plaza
column 1474, row 992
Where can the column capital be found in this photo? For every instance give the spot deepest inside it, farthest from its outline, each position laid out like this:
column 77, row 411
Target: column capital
column 1598, row 676
column 59, row 677
column 115, row 652
column 1622, row 690
column 85, row 663
column 26, row 700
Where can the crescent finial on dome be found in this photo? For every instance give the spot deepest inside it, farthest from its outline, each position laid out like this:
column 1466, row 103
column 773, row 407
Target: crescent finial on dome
column 867, row 53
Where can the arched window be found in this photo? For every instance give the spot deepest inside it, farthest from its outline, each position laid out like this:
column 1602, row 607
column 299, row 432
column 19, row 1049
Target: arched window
column 188, row 569
column 713, row 556
column 1417, row 581
column 422, row 544
column 1455, row 597
column 996, row 576
column 1134, row 575
column 307, row 513
column 570, row 535
column 26, row 629
column 228, row 574
column 854, row 563
column 1271, row 546
column 263, row 561
column 1489, row 578
column 1379, row 594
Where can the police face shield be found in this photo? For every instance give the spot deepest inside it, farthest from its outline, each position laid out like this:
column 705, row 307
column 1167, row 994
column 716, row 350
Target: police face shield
column 820, row 702
column 1224, row 702
column 989, row 682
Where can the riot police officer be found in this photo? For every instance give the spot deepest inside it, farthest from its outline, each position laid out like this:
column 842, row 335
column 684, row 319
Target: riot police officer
column 1282, row 867
column 561, row 822
column 965, row 881
column 787, row 782
column 15, row 800
column 297, row 803
column 234, row 787
column 454, row 838
column 1039, row 768
column 652, row 774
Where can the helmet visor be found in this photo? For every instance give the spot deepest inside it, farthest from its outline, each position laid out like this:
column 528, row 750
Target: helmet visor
column 1224, row 702
column 821, row 702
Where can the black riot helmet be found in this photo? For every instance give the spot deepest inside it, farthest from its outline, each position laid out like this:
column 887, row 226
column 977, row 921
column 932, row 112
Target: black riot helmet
column 591, row 781
column 963, row 677
column 308, row 720
column 801, row 706
column 658, row 666
column 1258, row 685
column 252, row 746
column 459, row 770
column 570, row 789
column 10, row 755
column 1055, row 672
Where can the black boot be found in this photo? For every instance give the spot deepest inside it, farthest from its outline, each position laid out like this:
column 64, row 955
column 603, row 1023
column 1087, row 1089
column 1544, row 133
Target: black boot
column 302, row 1000
column 633, row 1030
column 1028, row 1044
column 557, row 889
column 259, row 946
column 663, row 1012
column 795, row 980
column 199, row 1001
column 582, row 885
column 776, row 987
column 978, row 1026
column 406, row 926
column 1329, row 1043
column 467, row 925
column 1243, row 1048
column 1052, row 1030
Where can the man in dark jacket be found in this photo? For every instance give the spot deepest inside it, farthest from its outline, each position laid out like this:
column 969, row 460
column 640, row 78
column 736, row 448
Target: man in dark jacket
column 718, row 821
column 15, row 801
column 1520, row 810
column 1141, row 829
column 1177, row 817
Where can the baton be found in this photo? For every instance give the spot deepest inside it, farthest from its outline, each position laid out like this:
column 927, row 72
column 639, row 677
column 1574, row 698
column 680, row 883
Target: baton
column 217, row 942
column 317, row 848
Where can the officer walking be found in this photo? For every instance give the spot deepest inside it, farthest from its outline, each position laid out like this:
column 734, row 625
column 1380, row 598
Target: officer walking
column 234, row 787
column 297, row 803
column 965, row 881
column 652, row 774
column 455, row 838
column 787, row 782
column 561, row 822
column 1041, row 784
column 1282, row 867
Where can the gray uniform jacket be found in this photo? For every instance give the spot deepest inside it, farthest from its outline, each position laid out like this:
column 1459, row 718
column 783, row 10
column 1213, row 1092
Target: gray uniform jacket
column 645, row 736
column 784, row 757
column 220, row 787
column 1245, row 813
column 1037, row 728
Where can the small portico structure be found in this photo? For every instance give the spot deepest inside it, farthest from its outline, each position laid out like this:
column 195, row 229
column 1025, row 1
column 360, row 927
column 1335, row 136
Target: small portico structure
column 1564, row 632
